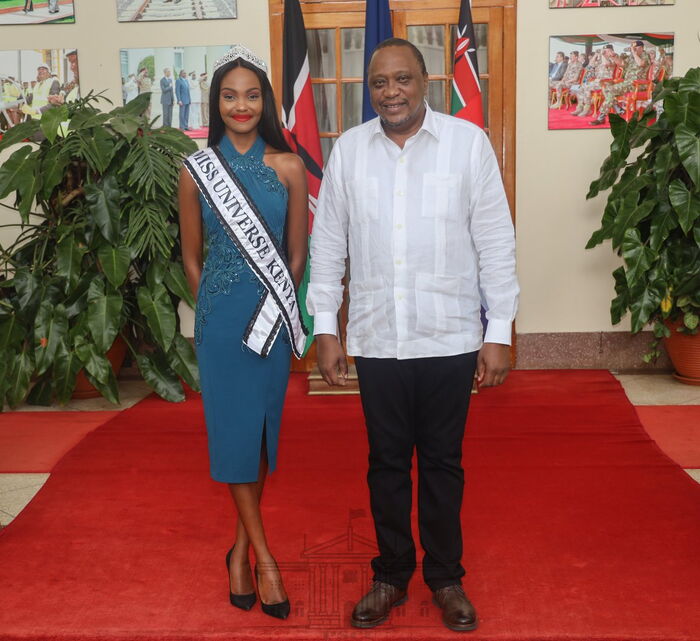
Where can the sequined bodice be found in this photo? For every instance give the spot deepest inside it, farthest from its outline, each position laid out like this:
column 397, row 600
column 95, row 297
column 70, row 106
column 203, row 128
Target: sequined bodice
column 224, row 266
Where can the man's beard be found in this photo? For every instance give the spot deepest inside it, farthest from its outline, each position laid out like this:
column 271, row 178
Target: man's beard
column 400, row 123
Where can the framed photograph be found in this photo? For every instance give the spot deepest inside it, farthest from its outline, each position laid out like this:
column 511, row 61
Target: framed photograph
column 592, row 76
column 155, row 10
column 36, row 11
column 178, row 81
column 35, row 80
column 595, row 4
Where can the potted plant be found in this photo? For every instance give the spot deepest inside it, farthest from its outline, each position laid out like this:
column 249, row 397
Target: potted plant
column 96, row 255
column 652, row 217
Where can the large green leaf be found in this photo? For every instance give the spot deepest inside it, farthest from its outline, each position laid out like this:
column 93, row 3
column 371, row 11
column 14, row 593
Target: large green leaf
column 96, row 147
column 77, row 299
column 662, row 223
column 686, row 204
column 638, row 257
column 126, row 125
column 51, row 120
column 69, row 256
column 155, row 304
column 6, row 362
column 27, row 285
column 19, row 133
column 622, row 131
column 65, row 368
column 16, row 172
column 103, row 314
column 683, row 108
column 20, row 375
column 664, row 161
column 87, row 119
column 160, row 377
column 115, row 263
column 156, row 272
column 688, row 145
column 29, row 186
column 104, row 201
column 12, row 332
column 147, row 233
column 620, row 303
column 53, row 167
column 182, row 359
column 691, row 82
column 109, row 389
column 630, row 216
column 642, row 306
column 176, row 282
column 50, row 329
column 95, row 363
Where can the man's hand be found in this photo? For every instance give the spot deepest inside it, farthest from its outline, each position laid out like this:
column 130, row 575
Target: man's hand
column 331, row 359
column 493, row 364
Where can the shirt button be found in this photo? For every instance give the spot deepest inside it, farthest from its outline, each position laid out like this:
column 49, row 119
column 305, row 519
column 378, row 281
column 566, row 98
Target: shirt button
column 402, row 160
column 399, row 297
column 399, row 193
column 399, row 226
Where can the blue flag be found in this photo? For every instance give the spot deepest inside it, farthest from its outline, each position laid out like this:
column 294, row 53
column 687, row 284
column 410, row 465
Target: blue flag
column 377, row 28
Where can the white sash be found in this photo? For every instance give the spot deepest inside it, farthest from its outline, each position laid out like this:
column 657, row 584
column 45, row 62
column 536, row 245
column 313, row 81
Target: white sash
column 248, row 230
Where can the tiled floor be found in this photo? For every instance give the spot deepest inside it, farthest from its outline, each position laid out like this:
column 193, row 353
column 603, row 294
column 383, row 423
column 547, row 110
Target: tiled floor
column 16, row 490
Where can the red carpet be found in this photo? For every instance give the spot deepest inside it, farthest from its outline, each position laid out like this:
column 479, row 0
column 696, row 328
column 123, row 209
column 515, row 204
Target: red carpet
column 676, row 430
column 577, row 527
column 564, row 119
column 36, row 441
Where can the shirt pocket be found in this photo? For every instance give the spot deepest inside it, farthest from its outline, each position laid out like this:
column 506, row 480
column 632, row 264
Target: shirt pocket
column 364, row 199
column 438, row 304
column 367, row 300
column 442, row 194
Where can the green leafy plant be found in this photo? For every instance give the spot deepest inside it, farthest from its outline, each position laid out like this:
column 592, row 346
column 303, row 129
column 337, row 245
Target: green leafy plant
column 652, row 214
column 96, row 254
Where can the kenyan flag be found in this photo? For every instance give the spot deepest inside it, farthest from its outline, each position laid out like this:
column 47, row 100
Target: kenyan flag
column 466, row 91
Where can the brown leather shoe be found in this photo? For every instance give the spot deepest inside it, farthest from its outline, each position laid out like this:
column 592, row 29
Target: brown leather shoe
column 375, row 606
column 458, row 613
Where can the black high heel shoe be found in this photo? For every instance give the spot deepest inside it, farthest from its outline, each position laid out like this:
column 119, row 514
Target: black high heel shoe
column 242, row 601
column 278, row 610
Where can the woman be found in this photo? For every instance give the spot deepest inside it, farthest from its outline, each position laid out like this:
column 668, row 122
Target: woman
column 240, row 298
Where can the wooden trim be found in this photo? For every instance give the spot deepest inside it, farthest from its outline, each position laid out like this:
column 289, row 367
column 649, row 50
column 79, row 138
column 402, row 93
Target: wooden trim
column 309, row 7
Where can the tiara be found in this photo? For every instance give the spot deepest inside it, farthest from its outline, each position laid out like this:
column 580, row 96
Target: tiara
column 239, row 51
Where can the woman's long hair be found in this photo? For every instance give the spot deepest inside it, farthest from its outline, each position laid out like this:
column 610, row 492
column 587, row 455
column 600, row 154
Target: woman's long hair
column 269, row 127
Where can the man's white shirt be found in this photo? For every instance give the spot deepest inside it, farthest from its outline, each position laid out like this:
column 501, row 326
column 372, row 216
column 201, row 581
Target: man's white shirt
column 428, row 232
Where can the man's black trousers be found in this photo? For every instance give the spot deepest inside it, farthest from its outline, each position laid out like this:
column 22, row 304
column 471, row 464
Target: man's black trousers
column 416, row 403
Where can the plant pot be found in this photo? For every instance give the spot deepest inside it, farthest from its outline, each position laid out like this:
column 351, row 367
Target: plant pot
column 684, row 351
column 115, row 355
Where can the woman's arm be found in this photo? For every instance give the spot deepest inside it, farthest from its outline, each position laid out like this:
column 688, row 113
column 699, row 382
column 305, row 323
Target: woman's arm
column 297, row 216
column 190, row 229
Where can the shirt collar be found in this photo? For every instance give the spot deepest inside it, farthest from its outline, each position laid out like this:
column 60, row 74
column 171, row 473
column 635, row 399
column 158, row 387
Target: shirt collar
column 429, row 124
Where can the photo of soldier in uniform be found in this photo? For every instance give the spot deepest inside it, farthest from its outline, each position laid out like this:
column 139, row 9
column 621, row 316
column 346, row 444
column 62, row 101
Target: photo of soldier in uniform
column 32, row 81
column 154, row 10
column 36, row 11
column 593, row 76
column 176, row 78
column 594, row 4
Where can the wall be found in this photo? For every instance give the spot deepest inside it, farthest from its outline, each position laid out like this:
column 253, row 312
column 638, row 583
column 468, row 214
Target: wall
column 564, row 287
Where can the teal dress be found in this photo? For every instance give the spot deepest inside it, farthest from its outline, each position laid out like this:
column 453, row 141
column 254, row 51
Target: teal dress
column 242, row 392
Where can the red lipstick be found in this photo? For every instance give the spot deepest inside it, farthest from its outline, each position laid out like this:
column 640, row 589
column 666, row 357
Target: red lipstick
column 242, row 118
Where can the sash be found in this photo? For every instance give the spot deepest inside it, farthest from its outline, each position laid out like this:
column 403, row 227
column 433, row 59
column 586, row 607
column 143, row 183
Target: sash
column 249, row 232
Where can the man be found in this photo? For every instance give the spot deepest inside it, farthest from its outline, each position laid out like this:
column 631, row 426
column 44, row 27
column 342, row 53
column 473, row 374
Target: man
column 570, row 77
column 558, row 69
column 167, row 97
column 416, row 200
column 204, row 88
column 636, row 69
column 182, row 91
column 604, row 70
column 70, row 90
column 43, row 92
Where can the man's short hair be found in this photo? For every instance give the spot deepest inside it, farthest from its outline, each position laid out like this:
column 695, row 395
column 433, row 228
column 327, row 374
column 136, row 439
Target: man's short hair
column 609, row 47
column 400, row 42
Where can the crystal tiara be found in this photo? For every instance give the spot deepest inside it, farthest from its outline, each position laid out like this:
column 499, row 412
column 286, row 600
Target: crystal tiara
column 239, row 51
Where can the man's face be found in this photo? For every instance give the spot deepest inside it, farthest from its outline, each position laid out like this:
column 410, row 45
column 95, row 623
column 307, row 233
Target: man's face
column 167, row 73
column 638, row 49
column 397, row 88
column 42, row 73
column 560, row 57
column 183, row 74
